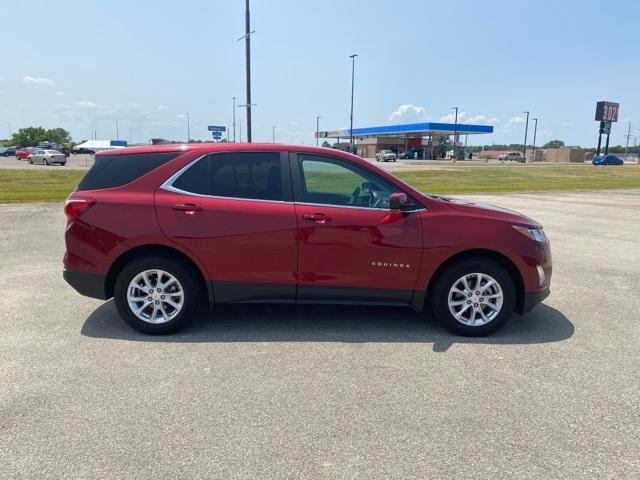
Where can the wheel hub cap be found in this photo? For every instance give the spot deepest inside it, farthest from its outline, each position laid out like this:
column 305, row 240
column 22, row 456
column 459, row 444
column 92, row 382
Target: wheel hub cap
column 475, row 299
column 155, row 296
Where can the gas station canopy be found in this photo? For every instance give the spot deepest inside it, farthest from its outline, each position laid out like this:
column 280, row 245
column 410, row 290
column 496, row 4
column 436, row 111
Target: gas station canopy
column 411, row 130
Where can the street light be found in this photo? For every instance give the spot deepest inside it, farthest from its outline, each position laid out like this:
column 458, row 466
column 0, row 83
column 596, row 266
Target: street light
column 455, row 130
column 234, row 120
column 535, row 131
column 247, row 38
column 117, row 133
column 526, row 130
column 188, row 129
column 353, row 69
column 317, row 129
column 273, row 135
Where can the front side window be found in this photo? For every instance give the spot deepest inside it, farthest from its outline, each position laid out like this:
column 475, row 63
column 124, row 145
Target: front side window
column 247, row 175
column 335, row 182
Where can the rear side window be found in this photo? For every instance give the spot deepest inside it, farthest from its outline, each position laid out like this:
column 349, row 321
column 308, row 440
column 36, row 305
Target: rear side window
column 115, row 170
column 251, row 175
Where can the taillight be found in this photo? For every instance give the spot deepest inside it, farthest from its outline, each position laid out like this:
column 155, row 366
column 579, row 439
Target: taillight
column 74, row 207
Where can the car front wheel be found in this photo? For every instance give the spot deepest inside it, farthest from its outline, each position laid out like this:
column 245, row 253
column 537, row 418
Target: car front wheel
column 157, row 295
column 474, row 297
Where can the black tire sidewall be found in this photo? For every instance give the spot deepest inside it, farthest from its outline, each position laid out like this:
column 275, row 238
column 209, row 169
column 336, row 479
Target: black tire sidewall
column 178, row 269
column 439, row 297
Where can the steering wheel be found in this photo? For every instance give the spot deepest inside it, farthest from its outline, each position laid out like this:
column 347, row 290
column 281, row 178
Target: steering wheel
column 354, row 196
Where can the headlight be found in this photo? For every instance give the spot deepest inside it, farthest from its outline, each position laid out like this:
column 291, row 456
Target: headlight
column 535, row 234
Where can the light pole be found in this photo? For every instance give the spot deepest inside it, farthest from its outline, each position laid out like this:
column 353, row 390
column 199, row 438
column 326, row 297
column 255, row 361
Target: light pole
column 247, row 39
column 317, row 129
column 117, row 133
column 455, row 130
column 234, row 119
column 626, row 148
column 248, row 106
column 526, row 130
column 188, row 129
column 240, row 128
column 353, row 69
column 535, row 131
column 130, row 135
column 273, row 134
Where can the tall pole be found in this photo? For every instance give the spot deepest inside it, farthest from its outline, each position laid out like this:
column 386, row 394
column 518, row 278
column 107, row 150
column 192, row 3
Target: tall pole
column 188, row 129
column 117, row 134
column 526, row 130
column 273, row 134
column 628, row 137
column 455, row 131
column 234, row 119
column 247, row 39
column 240, row 128
column 317, row 129
column 130, row 135
column 535, row 131
column 353, row 69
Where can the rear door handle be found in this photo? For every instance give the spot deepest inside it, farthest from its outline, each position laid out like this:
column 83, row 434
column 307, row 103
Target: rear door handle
column 187, row 207
column 316, row 217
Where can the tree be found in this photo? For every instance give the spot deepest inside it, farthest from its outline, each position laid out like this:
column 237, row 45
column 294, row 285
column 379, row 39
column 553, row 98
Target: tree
column 32, row 136
column 554, row 144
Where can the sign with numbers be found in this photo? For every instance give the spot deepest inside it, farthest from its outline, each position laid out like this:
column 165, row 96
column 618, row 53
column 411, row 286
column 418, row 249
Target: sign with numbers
column 607, row 111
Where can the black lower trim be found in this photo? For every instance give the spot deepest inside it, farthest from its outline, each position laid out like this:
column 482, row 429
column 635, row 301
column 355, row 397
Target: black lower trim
column 351, row 295
column 87, row 284
column 238, row 292
column 531, row 299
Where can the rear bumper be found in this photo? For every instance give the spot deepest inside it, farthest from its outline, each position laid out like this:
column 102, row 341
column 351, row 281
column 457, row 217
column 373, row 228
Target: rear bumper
column 531, row 299
column 87, row 284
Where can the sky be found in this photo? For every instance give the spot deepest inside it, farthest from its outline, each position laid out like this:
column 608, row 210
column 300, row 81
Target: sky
column 82, row 65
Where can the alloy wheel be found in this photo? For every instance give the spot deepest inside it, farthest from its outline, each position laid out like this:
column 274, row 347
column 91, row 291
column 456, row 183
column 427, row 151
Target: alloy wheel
column 155, row 296
column 475, row 299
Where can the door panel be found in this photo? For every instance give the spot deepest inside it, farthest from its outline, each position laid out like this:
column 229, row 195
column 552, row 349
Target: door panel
column 249, row 247
column 352, row 253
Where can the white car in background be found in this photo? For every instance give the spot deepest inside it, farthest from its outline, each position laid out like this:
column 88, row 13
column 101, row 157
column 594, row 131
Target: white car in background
column 514, row 156
column 386, row 156
column 47, row 157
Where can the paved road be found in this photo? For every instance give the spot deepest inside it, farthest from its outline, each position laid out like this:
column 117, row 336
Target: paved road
column 73, row 161
column 328, row 392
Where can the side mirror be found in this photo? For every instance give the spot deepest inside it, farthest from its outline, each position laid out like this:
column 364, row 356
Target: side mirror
column 399, row 201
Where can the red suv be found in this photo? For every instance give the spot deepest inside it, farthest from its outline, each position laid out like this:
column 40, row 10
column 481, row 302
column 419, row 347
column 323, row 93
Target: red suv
column 159, row 228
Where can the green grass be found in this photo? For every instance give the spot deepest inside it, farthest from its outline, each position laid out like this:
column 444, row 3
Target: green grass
column 37, row 185
column 54, row 185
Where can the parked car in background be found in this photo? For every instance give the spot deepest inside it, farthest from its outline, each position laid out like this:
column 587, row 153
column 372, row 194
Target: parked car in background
column 54, row 146
column 8, row 151
column 82, row 151
column 386, row 156
column 23, row 153
column 160, row 228
column 47, row 157
column 607, row 160
column 512, row 156
column 414, row 153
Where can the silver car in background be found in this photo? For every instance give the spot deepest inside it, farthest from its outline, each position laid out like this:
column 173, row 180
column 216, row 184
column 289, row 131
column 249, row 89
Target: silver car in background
column 47, row 157
column 386, row 156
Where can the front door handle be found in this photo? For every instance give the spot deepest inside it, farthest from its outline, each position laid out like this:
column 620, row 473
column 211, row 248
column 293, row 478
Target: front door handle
column 187, row 207
column 316, row 217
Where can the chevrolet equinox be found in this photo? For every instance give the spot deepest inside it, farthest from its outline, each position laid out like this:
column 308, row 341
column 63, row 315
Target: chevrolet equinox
column 161, row 228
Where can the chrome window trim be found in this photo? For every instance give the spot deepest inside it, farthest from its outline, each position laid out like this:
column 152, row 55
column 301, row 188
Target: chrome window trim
column 168, row 186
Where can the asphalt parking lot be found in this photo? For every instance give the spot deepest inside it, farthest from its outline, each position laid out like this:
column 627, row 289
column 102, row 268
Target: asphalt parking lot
column 73, row 161
column 328, row 392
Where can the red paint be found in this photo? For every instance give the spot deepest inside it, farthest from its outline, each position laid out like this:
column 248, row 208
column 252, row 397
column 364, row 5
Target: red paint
column 267, row 242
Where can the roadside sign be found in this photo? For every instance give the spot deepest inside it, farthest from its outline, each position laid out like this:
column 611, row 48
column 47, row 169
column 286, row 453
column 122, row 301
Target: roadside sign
column 607, row 111
column 605, row 127
column 217, row 128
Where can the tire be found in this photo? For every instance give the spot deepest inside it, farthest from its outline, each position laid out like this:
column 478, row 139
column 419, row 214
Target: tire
column 439, row 298
column 45, row 162
column 187, row 280
column 29, row 160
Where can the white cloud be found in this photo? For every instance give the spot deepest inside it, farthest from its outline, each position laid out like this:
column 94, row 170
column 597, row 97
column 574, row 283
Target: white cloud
column 181, row 115
column 408, row 113
column 517, row 119
column 44, row 82
column 464, row 117
column 162, row 107
column 60, row 93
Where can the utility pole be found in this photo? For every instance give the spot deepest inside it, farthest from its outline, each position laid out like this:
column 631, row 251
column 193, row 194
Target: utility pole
column 240, row 128
column 273, row 134
column 535, row 131
column 130, row 135
column 455, row 130
column 526, row 130
column 188, row 129
column 234, row 120
column 317, row 129
column 117, row 134
column 353, row 69
column 247, row 39
column 626, row 148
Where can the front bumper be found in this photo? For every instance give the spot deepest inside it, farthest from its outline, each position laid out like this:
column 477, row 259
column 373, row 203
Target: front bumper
column 531, row 299
column 87, row 284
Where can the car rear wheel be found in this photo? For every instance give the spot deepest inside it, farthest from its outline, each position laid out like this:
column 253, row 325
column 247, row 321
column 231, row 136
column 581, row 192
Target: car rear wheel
column 474, row 297
column 45, row 161
column 30, row 160
column 157, row 295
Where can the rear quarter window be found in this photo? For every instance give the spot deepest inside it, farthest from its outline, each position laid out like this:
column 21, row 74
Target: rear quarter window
column 110, row 171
